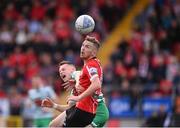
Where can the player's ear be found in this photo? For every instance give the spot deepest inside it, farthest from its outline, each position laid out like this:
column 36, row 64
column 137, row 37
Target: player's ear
column 94, row 52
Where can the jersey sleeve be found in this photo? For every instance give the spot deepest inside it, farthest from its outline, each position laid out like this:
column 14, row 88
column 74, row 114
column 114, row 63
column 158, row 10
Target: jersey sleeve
column 92, row 70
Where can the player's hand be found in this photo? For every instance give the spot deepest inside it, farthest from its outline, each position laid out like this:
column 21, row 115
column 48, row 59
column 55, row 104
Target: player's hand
column 69, row 85
column 47, row 103
column 73, row 98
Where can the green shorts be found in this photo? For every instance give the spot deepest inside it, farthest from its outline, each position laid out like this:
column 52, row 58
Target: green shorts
column 42, row 122
column 102, row 115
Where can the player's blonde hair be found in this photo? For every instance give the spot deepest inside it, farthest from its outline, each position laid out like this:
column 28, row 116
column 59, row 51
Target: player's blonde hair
column 93, row 40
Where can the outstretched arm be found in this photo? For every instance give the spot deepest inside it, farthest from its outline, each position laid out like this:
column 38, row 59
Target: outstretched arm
column 51, row 104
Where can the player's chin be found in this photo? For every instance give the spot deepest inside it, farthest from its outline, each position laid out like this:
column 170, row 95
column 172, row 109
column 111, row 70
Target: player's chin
column 64, row 80
column 82, row 56
column 63, row 77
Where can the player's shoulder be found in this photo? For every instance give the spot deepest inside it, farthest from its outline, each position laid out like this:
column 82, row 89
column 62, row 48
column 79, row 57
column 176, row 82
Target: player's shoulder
column 94, row 61
column 75, row 74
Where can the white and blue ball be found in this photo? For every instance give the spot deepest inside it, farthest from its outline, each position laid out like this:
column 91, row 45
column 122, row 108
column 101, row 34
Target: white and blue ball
column 84, row 24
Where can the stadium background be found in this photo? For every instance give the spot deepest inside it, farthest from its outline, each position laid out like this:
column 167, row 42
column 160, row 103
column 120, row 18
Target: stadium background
column 140, row 55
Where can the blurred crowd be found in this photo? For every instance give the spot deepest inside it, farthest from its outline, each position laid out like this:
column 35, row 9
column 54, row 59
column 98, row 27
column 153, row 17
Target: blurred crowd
column 148, row 64
column 149, row 60
column 35, row 35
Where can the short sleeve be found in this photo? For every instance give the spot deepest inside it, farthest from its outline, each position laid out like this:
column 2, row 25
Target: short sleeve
column 92, row 70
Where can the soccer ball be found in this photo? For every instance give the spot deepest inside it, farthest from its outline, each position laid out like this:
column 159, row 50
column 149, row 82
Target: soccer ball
column 84, row 24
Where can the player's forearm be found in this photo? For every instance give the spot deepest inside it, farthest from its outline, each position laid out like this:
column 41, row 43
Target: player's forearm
column 95, row 84
column 61, row 108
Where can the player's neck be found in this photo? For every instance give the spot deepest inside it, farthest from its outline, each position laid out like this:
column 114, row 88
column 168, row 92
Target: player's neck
column 86, row 60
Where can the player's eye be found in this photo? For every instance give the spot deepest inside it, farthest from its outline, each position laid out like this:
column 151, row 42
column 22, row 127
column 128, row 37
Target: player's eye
column 87, row 46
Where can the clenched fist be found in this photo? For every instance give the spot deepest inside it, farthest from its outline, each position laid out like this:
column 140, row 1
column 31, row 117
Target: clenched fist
column 47, row 103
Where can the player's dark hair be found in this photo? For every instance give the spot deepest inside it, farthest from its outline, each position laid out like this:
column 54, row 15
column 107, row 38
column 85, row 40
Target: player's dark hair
column 93, row 40
column 65, row 62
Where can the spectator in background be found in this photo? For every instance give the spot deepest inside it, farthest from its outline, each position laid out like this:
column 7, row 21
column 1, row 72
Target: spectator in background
column 64, row 11
column 5, row 75
column 109, row 77
column 38, row 11
column 157, row 119
column 6, row 36
column 16, row 101
column 61, row 29
column 172, row 118
column 163, row 90
column 47, row 69
column 176, row 116
column 33, row 68
column 107, row 9
column 39, row 92
column 166, row 88
column 10, row 13
column 19, row 58
column 158, row 67
column 125, row 89
column 143, row 67
column 176, row 7
column 172, row 68
column 120, row 71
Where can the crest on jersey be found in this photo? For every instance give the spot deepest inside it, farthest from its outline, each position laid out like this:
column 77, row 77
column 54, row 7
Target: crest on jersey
column 93, row 71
